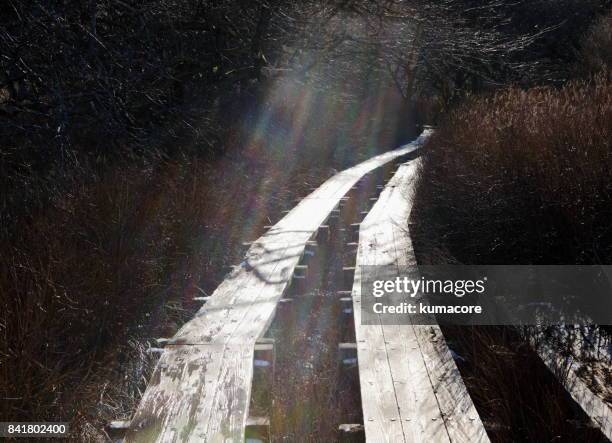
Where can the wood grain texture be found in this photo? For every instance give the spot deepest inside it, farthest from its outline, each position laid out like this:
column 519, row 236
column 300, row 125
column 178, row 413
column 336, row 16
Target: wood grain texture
column 201, row 387
column 411, row 389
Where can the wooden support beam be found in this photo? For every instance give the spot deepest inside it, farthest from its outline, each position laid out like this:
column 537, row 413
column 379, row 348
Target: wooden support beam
column 354, row 230
column 284, row 313
column 263, row 357
column 201, row 298
column 300, row 272
column 310, row 249
column 345, row 317
column 350, row 254
column 153, row 350
column 334, row 218
column 257, row 430
column 323, row 234
column 351, row 430
column 264, row 362
column 258, row 421
column 348, row 274
column 308, row 254
column 232, row 268
column 347, row 305
column 117, row 429
column 347, row 353
column 119, row 425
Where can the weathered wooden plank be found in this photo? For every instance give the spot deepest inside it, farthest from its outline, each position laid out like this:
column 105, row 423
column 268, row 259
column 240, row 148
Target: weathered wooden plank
column 183, row 373
column 461, row 419
column 201, row 387
column 381, row 415
column 418, row 383
column 418, row 408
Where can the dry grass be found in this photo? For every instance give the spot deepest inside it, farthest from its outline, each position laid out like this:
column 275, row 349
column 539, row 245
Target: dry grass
column 86, row 283
column 522, row 177
column 517, row 397
column 519, row 177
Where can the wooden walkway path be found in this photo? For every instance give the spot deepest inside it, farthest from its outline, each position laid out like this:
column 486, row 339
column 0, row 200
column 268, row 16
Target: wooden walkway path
column 411, row 389
column 200, row 389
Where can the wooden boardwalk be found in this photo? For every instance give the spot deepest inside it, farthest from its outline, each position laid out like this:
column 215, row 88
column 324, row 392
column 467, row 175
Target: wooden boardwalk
column 200, row 389
column 411, row 389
